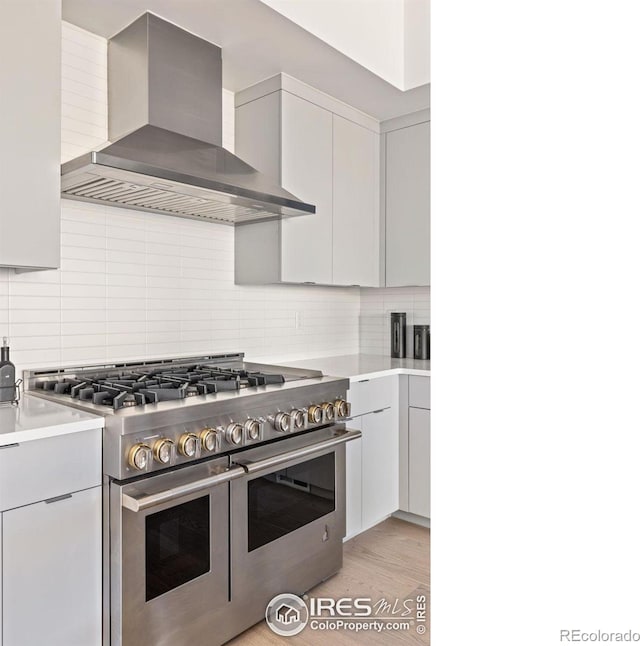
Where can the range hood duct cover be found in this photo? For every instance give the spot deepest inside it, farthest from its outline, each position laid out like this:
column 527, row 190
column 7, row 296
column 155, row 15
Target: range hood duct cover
column 165, row 116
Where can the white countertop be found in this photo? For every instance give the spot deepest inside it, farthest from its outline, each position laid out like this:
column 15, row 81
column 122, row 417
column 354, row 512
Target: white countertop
column 34, row 419
column 358, row 366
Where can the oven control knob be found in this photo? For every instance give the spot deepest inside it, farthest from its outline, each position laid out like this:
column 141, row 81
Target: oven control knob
column 163, row 451
column 140, row 457
column 252, row 429
column 189, row 445
column 209, row 439
column 343, row 408
column 299, row 418
column 329, row 411
column 314, row 414
column 282, row 422
column 234, row 433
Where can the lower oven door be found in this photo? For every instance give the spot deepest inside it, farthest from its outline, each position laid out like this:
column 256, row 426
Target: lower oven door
column 170, row 555
column 288, row 516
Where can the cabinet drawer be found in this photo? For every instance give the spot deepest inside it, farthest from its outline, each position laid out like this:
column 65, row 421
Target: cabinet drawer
column 420, row 391
column 42, row 469
column 368, row 395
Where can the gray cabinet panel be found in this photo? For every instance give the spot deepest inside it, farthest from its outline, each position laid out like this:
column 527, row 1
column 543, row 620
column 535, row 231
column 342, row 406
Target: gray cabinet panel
column 420, row 391
column 354, row 481
column 419, row 461
column 53, row 466
column 323, row 152
column 257, row 141
column 367, row 395
column 356, row 209
column 407, row 215
column 307, row 173
column 30, row 133
column 257, row 134
column 52, row 574
column 379, row 467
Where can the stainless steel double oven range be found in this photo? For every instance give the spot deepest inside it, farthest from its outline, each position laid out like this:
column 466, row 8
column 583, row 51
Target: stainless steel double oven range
column 224, row 485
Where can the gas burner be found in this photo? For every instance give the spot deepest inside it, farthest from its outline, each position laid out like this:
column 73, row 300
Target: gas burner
column 137, row 387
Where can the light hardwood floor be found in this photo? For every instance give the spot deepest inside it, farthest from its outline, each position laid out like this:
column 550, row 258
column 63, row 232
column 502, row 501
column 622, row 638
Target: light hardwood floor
column 391, row 560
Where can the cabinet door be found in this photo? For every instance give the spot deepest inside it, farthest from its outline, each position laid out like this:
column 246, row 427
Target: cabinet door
column 420, row 391
column 307, row 173
column 356, row 211
column 30, row 134
column 380, row 457
column 420, row 461
column 354, row 480
column 408, row 235
column 52, row 572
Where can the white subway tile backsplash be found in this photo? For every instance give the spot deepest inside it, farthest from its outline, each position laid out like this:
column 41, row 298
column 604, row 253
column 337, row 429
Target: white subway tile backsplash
column 81, row 327
column 84, row 315
column 39, row 328
column 33, row 303
column 18, row 317
column 85, row 241
column 35, row 357
column 88, row 355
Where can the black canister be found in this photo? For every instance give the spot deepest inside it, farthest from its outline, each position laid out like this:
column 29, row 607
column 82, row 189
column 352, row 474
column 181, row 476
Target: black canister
column 421, row 342
column 398, row 335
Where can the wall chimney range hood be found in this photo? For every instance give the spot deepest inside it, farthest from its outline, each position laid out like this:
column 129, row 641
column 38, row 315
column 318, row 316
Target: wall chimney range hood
column 165, row 117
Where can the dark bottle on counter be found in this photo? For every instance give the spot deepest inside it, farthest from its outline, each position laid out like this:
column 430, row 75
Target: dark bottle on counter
column 7, row 375
column 421, row 342
column 398, row 335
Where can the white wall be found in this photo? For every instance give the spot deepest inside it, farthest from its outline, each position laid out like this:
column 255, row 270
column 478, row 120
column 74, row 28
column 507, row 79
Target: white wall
column 142, row 285
column 370, row 32
column 376, row 306
column 390, row 38
column 417, row 43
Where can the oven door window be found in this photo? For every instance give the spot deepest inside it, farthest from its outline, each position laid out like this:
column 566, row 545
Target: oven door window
column 177, row 546
column 283, row 501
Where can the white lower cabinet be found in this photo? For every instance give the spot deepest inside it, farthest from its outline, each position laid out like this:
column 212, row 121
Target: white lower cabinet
column 51, row 531
column 379, row 466
column 372, row 471
column 419, row 461
column 51, row 575
column 373, row 460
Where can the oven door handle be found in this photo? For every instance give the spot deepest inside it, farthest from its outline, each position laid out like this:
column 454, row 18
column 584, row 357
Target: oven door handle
column 269, row 463
column 139, row 503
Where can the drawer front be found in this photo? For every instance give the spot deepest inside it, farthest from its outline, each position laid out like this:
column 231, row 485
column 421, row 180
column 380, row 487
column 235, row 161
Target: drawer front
column 43, row 469
column 420, row 392
column 368, row 395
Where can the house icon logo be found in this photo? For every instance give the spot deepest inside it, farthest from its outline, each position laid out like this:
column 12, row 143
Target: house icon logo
column 287, row 615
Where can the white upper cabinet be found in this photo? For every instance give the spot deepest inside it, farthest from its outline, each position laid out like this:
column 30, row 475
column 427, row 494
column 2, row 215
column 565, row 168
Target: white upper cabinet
column 306, row 160
column 30, row 133
column 356, row 220
column 326, row 154
column 407, row 200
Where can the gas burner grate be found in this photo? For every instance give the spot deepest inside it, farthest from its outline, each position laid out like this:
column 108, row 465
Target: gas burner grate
column 122, row 389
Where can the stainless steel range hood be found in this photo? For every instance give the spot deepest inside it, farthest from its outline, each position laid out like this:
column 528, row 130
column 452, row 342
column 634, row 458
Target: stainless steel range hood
column 165, row 116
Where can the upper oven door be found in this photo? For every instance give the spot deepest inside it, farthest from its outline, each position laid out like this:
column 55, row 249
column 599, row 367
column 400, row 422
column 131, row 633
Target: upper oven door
column 170, row 565
column 288, row 513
